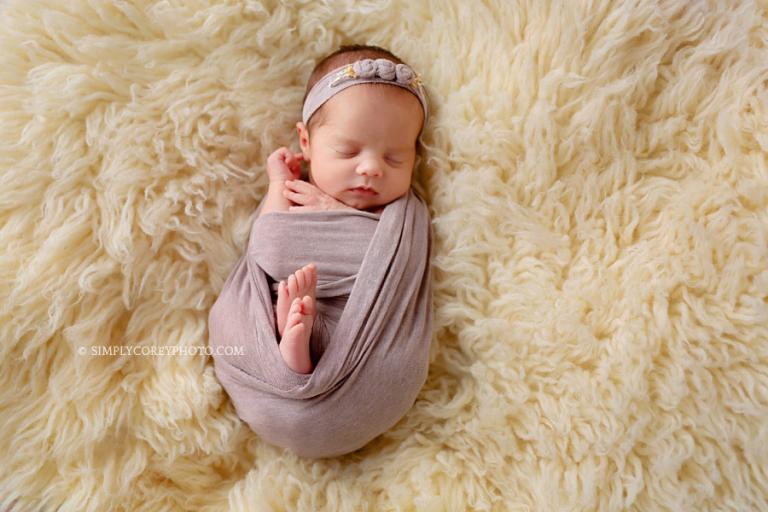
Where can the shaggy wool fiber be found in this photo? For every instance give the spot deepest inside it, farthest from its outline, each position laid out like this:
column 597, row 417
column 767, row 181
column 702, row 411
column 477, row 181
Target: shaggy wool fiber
column 597, row 174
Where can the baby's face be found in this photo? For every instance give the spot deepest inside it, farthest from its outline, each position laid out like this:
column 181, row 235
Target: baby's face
column 368, row 139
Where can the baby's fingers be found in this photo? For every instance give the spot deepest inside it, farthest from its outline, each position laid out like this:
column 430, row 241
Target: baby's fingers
column 297, row 197
column 299, row 185
column 293, row 160
column 282, row 153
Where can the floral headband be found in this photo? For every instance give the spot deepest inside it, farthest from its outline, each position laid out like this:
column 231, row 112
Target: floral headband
column 363, row 71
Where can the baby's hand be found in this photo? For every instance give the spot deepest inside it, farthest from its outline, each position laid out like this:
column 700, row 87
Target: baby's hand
column 283, row 165
column 311, row 198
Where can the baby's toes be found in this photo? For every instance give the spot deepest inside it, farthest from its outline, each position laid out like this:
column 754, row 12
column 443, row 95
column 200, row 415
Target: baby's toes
column 292, row 286
column 309, row 305
column 310, row 275
column 304, row 280
column 295, row 313
column 301, row 281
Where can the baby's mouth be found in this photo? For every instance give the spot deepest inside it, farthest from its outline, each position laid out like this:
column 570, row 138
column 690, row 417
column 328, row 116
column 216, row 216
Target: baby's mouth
column 363, row 191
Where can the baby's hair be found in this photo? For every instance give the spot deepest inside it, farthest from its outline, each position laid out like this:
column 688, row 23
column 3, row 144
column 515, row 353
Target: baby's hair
column 346, row 54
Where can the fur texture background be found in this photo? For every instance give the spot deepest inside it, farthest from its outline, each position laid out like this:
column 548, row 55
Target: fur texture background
column 597, row 173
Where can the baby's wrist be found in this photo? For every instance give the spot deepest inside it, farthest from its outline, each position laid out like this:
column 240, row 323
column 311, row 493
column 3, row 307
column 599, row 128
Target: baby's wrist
column 275, row 200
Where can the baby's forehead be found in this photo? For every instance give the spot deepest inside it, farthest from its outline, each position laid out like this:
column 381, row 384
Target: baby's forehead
column 342, row 136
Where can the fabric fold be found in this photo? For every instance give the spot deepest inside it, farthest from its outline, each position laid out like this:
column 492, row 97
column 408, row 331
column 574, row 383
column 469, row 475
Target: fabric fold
column 370, row 344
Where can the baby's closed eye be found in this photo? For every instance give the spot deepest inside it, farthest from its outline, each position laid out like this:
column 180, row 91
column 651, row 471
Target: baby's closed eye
column 345, row 154
column 353, row 153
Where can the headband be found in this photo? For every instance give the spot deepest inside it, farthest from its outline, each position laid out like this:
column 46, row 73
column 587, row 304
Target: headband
column 363, row 71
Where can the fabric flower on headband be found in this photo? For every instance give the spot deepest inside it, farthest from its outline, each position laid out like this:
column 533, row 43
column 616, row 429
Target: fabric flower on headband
column 382, row 68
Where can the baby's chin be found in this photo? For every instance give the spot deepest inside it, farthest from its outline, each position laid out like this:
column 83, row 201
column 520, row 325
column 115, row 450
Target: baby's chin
column 360, row 205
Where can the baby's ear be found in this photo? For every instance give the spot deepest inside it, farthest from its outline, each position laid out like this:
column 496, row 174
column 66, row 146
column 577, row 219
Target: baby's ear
column 303, row 139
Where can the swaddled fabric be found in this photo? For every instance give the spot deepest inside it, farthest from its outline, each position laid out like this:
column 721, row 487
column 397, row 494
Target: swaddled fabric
column 370, row 344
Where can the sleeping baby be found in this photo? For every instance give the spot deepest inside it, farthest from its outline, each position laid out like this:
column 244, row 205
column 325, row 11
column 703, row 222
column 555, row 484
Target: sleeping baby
column 360, row 145
column 330, row 307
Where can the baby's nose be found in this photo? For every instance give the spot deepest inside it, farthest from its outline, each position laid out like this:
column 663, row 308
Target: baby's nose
column 369, row 167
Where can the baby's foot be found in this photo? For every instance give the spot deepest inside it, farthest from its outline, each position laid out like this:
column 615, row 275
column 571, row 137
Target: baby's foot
column 300, row 283
column 294, row 346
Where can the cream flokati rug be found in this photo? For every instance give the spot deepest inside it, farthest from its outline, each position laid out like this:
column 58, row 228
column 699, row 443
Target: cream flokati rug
column 597, row 174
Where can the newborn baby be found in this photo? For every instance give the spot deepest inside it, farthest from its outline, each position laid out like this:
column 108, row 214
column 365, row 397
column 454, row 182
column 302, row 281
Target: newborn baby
column 360, row 146
column 322, row 331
